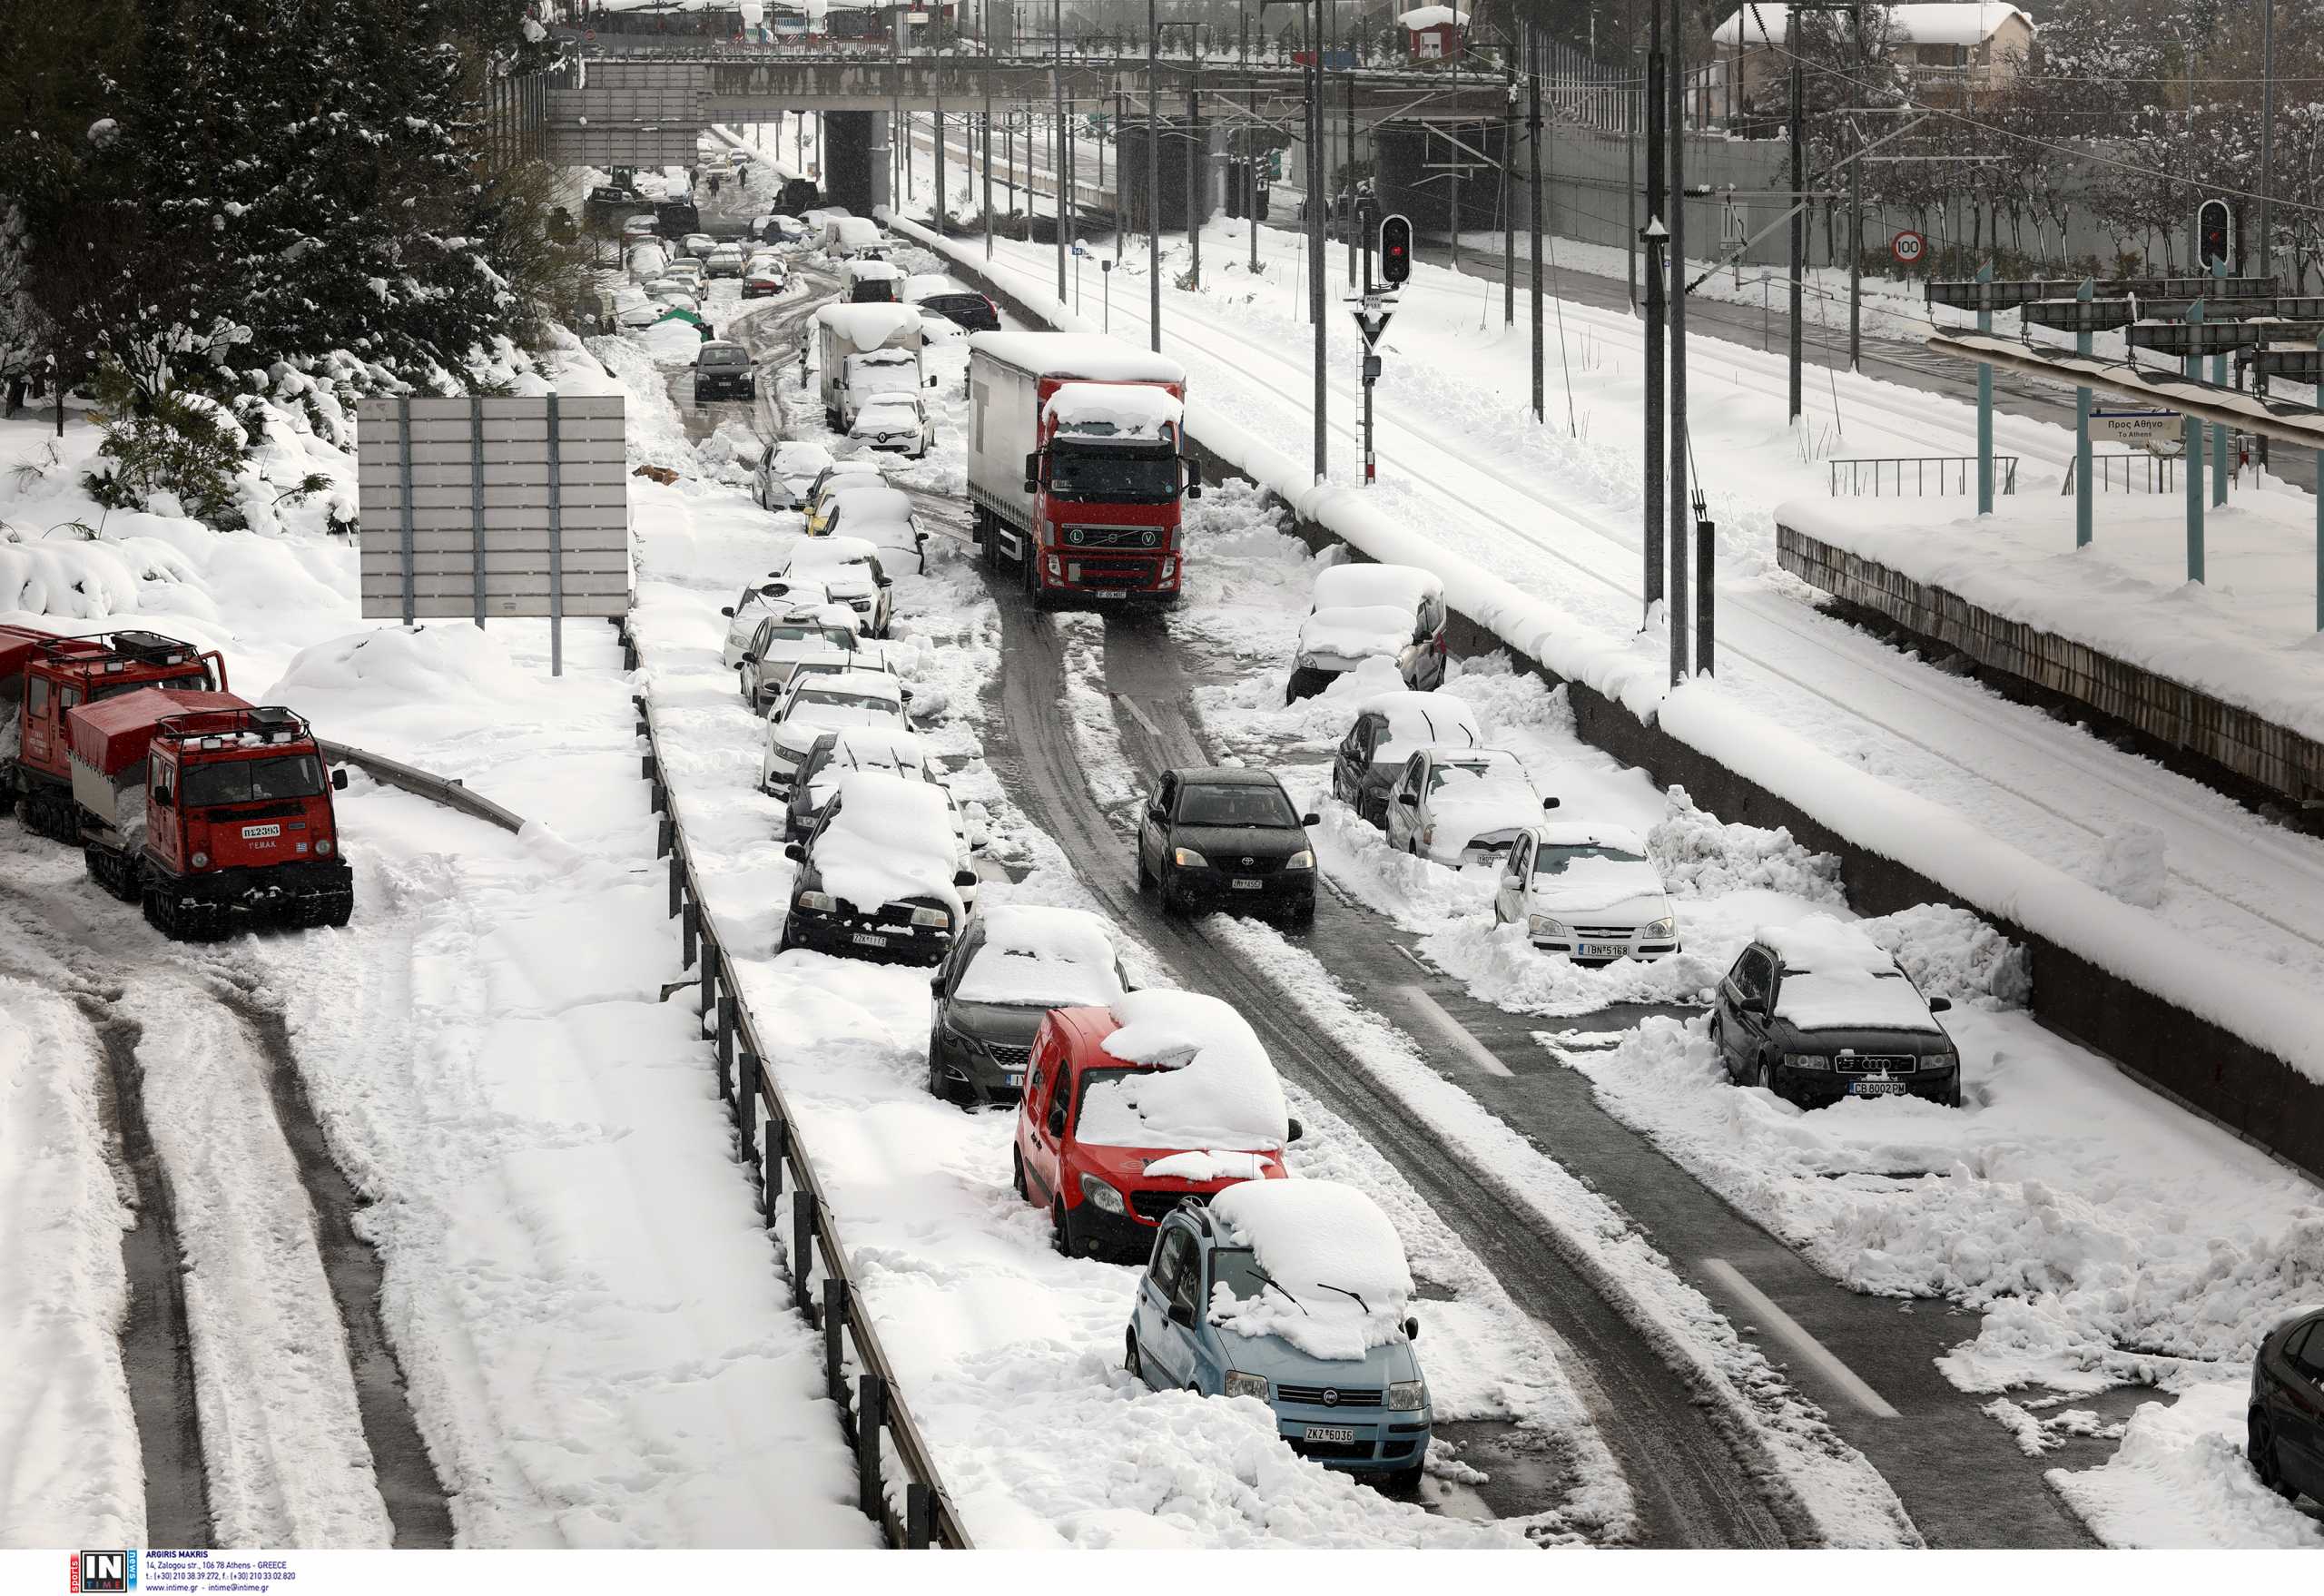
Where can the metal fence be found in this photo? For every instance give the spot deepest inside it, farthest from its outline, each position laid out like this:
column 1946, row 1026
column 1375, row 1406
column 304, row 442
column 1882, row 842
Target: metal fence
column 2129, row 472
column 1894, row 477
column 872, row 1414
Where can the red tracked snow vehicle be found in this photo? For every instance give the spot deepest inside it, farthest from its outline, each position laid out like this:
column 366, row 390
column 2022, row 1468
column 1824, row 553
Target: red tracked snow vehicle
column 206, row 809
column 45, row 677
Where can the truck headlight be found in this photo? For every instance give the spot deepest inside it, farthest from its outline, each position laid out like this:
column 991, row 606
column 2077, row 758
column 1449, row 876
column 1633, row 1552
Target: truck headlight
column 1094, row 1190
column 1810, row 1061
column 937, row 917
column 1238, row 1385
column 1187, row 858
column 1055, row 569
column 322, row 846
column 1663, row 929
column 820, row 903
column 1407, row 1397
column 1302, row 860
column 201, row 862
column 1542, row 925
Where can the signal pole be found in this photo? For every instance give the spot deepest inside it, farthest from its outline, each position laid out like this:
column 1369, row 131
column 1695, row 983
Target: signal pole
column 1653, row 235
column 1675, row 146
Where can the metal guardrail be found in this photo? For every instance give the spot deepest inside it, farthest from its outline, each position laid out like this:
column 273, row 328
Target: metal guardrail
column 1940, row 474
column 2138, row 472
column 873, row 1410
column 436, row 789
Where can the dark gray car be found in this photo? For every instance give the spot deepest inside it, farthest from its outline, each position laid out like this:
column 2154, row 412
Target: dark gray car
column 1012, row 965
column 1226, row 839
column 1787, row 1024
column 2286, row 1416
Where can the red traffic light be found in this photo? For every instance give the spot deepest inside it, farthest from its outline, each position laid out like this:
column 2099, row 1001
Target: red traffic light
column 1395, row 249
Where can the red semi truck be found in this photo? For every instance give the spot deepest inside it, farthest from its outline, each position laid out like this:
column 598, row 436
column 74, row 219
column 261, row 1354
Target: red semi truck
column 206, row 808
column 44, row 677
column 1076, row 466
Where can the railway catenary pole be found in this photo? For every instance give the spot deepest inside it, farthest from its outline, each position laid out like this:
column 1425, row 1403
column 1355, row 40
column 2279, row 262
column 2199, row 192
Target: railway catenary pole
column 1057, row 167
column 936, row 74
column 1316, row 232
column 1533, row 155
column 1653, row 236
column 1153, row 178
column 987, row 142
column 1194, row 167
column 1676, row 484
column 1509, row 193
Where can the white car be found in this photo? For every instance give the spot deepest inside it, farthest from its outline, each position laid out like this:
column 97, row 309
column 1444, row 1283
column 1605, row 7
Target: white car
column 841, row 477
column 1587, row 891
column 1359, row 612
column 1461, row 805
column 698, row 244
column 825, row 703
column 787, row 639
column 786, row 471
column 849, row 569
column 868, row 654
column 845, row 748
column 690, row 269
column 773, row 594
column 898, row 422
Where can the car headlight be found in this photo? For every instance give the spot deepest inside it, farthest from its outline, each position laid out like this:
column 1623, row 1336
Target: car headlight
column 1810, row 1061
column 1094, row 1190
column 1407, row 1397
column 937, row 917
column 822, row 902
column 1302, row 860
column 1246, row 1385
column 1948, row 1059
column 1542, row 925
column 1663, row 929
column 1188, row 858
column 1428, row 835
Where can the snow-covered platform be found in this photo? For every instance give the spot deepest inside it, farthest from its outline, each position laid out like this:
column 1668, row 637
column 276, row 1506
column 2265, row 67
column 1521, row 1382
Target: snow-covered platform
column 2231, row 670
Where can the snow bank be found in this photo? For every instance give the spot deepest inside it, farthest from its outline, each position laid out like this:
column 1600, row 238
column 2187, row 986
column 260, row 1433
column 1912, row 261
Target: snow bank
column 892, row 840
column 1215, row 1086
column 1328, row 1244
column 399, row 666
column 2181, row 1480
column 1702, row 856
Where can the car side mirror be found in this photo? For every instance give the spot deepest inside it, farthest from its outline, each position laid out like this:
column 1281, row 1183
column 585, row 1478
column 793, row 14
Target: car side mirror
column 1939, row 1005
column 887, row 581
column 1755, row 1003
column 1182, row 1315
column 904, row 695
column 338, row 785
column 1033, row 473
column 964, row 878
column 795, row 851
column 936, row 983
column 931, row 382
column 728, row 611
column 1194, row 491
column 749, row 659
column 1549, row 804
column 1512, row 882
column 1294, row 1130
column 1408, row 800
column 1412, row 1329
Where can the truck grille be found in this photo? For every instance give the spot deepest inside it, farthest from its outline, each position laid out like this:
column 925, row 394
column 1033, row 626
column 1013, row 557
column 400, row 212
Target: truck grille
column 1313, row 1395
column 1114, row 537
column 1877, row 1064
column 1114, row 572
column 1154, row 1206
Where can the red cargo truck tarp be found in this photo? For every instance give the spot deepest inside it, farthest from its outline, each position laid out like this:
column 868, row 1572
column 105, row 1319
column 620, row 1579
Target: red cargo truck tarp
column 113, row 732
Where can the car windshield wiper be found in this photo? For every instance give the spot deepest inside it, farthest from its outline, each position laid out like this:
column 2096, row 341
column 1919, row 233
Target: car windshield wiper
column 1344, row 1291
column 1268, row 1279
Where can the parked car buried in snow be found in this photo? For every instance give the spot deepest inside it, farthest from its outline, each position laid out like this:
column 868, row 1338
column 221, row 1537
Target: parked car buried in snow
column 785, row 471
column 1815, row 1012
column 1012, row 965
column 2284, row 1421
column 1296, row 1293
column 895, row 422
column 1588, row 890
column 824, row 704
column 771, row 594
column 726, row 261
column 1394, row 613
column 879, row 877
column 849, row 570
column 1461, row 805
column 785, row 639
column 835, row 752
column 1132, row 1108
column 1388, row 728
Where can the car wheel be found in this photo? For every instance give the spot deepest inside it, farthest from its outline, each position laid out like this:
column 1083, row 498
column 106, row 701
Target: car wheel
column 1145, row 876
column 2265, row 1464
column 1131, row 1359
column 936, row 1074
column 1016, row 1172
column 1060, row 1229
column 1404, row 1482
column 1172, row 902
column 1718, row 1050
column 1303, row 917
column 1763, row 1076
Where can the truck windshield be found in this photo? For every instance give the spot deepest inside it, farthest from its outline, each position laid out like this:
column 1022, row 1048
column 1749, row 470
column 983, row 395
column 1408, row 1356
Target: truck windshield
column 1113, row 475
column 195, row 681
column 252, row 781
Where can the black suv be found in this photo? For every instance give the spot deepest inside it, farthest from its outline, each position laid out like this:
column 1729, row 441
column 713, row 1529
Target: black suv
column 722, row 370
column 1827, row 1016
column 1224, row 837
column 971, row 310
column 2286, row 1415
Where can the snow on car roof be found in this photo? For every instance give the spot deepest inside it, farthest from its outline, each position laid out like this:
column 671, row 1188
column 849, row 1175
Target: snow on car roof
column 1115, row 410
column 856, row 684
column 800, row 454
column 1090, row 357
column 921, row 284
column 890, row 840
column 1365, row 586
column 1825, row 945
column 1035, row 955
column 815, row 553
column 1834, row 976
column 1355, row 631
column 884, row 745
column 1590, row 833
column 1433, row 16
column 873, row 272
column 1313, row 1236
column 872, row 499
column 1216, row 1087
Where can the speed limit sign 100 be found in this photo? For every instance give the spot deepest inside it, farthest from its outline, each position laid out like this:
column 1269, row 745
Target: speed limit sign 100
column 1907, row 247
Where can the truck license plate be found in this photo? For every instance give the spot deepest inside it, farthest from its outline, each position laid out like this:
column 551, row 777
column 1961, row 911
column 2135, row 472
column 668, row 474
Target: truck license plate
column 1108, row 593
column 1248, row 883
column 1875, row 1088
column 262, row 830
column 1330, row 1433
column 869, row 938
column 1602, row 950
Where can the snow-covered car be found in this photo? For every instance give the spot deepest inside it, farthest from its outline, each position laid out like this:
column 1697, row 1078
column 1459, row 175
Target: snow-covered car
column 850, row 698
column 1394, row 613
column 690, row 269
column 1589, row 891
column 785, row 639
column 1130, row 1109
column 1298, row 1293
column 1388, row 728
column 2284, row 1420
column 873, row 282
column 771, row 594
column 885, row 520
column 1461, row 805
column 849, row 569
column 879, row 877
column 642, row 314
column 833, row 480
column 673, row 295
column 894, row 422
column 845, row 748
column 646, row 259
column 722, row 370
column 868, row 654
column 698, row 244
column 1816, row 1012
column 786, row 471
column 726, row 261
column 854, row 238
column 638, row 227
column 761, row 283
column 1014, row 963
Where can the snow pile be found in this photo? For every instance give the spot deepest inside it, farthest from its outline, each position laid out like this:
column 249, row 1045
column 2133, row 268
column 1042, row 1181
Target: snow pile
column 1211, row 1085
column 1702, row 856
column 1327, row 1246
column 1208, row 1164
column 68, row 575
column 1950, row 952
column 2181, row 1480
column 892, row 840
column 2131, row 864
column 1116, row 410
column 1032, row 954
column 396, row 665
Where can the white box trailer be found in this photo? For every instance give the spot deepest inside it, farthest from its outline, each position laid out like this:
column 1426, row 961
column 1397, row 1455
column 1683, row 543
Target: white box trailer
column 866, row 349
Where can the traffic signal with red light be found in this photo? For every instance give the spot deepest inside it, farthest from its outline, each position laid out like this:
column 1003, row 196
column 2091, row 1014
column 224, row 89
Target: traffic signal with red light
column 2215, row 233
column 1395, row 249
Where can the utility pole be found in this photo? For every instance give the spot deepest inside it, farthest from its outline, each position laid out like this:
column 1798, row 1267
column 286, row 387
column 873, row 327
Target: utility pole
column 1057, row 171
column 988, row 144
column 1121, row 181
column 1533, row 156
column 1508, row 192
column 936, row 75
column 1653, row 236
column 2268, row 147
column 1195, row 165
column 1153, row 178
column 1855, row 243
column 1676, row 148
column 1798, row 231
column 1348, row 168
column 1315, row 229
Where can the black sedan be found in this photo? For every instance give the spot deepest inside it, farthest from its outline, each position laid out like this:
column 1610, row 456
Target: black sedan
column 1816, row 1012
column 723, row 370
column 2286, row 1412
column 1223, row 838
column 970, row 310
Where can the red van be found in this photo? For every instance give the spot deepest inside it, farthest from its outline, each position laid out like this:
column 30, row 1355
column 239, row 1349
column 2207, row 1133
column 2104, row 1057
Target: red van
column 1130, row 1110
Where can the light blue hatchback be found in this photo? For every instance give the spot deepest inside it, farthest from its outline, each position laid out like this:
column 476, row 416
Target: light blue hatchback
column 1366, row 1413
